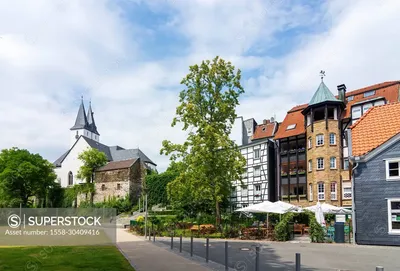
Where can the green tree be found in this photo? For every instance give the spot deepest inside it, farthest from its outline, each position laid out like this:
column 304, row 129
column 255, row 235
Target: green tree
column 92, row 159
column 211, row 161
column 24, row 175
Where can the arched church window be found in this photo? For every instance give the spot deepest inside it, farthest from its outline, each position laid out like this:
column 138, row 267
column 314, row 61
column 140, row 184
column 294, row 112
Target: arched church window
column 70, row 178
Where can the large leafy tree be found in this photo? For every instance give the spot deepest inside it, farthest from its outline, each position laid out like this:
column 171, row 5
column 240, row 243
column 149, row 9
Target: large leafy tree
column 24, row 175
column 92, row 159
column 210, row 159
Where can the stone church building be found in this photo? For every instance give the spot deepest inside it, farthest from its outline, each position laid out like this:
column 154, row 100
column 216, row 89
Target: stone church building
column 122, row 174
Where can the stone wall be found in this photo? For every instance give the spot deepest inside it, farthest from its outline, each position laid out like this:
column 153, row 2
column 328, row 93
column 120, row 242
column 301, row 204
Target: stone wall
column 119, row 183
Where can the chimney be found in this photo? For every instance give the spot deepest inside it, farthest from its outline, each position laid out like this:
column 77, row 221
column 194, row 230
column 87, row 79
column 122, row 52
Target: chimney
column 266, row 121
column 342, row 92
column 272, row 119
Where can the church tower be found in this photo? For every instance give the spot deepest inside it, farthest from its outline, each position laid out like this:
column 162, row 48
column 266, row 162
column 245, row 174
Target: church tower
column 84, row 125
column 323, row 131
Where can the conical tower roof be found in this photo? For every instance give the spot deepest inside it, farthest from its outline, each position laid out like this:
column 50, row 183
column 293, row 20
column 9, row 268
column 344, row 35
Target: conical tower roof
column 323, row 94
column 91, row 123
column 81, row 120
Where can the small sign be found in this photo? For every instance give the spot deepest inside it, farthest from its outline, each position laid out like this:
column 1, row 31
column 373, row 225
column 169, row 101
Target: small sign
column 341, row 218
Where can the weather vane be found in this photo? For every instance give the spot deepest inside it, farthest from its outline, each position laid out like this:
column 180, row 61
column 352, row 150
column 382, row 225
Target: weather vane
column 322, row 74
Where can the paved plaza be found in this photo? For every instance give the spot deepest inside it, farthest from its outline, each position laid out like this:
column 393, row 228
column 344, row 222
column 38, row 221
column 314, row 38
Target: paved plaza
column 281, row 256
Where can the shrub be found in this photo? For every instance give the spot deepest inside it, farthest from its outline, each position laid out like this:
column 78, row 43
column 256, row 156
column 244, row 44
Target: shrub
column 282, row 231
column 140, row 219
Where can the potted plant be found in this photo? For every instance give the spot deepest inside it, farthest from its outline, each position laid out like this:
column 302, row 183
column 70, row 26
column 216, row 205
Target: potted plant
column 301, row 171
column 283, row 173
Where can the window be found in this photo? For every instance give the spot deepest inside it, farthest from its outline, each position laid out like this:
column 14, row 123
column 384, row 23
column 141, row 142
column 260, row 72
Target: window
column 394, row 215
column 332, row 139
column 245, row 205
column 369, row 93
column 333, row 162
column 309, row 143
column 321, row 191
column 320, row 140
column 256, row 153
column 350, row 98
column 103, row 187
column 258, row 187
column 249, row 131
column 346, row 164
column 366, row 107
column 347, row 190
column 392, row 170
column 257, row 171
column 320, row 163
column 70, row 178
column 244, row 191
column 380, row 102
column 291, row 127
column 334, row 191
column 118, row 186
column 356, row 112
column 309, row 165
column 311, row 192
column 244, row 175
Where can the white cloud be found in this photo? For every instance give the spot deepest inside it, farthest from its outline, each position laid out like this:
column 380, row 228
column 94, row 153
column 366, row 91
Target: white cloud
column 53, row 52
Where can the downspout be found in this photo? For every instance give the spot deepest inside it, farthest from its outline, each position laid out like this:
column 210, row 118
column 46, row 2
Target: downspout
column 353, row 203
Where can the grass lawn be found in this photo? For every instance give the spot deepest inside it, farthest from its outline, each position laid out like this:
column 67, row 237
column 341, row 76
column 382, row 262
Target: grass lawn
column 88, row 258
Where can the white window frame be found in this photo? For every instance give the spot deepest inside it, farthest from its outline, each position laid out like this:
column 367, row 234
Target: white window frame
column 244, row 205
column 310, row 165
column 309, row 142
column 332, row 159
column 310, row 186
column 257, row 187
column 350, row 98
column 318, row 139
column 255, row 170
column 392, row 231
column 347, row 185
column 244, row 192
column 334, row 191
column 318, row 164
column 344, row 164
column 369, row 93
column 321, row 195
column 330, row 139
column 366, row 107
column 258, row 152
column 291, row 127
column 354, row 110
column 387, row 162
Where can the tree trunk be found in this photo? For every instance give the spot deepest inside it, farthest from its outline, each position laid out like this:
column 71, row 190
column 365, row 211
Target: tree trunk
column 217, row 213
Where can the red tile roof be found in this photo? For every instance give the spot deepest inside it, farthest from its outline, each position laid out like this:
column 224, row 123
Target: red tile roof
column 294, row 116
column 383, row 122
column 117, row 165
column 390, row 90
column 265, row 130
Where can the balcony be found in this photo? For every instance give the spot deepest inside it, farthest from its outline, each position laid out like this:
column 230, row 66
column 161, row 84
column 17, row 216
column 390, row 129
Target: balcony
column 294, row 172
column 293, row 151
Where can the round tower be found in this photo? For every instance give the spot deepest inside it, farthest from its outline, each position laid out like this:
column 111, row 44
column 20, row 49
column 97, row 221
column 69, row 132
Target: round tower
column 323, row 135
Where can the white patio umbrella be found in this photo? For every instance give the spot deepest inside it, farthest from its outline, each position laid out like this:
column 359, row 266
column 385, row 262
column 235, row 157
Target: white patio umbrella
column 328, row 209
column 256, row 208
column 319, row 215
column 281, row 207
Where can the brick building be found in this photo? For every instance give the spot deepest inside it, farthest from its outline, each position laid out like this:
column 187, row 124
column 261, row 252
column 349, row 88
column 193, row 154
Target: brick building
column 312, row 146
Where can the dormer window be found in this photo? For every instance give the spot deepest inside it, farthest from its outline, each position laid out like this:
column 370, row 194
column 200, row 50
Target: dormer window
column 291, row 127
column 369, row 93
column 350, row 98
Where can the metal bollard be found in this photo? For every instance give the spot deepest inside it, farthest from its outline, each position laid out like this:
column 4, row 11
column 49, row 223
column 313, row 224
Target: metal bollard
column 180, row 243
column 172, row 242
column 379, row 268
column 298, row 263
column 191, row 246
column 257, row 258
column 226, row 255
column 207, row 242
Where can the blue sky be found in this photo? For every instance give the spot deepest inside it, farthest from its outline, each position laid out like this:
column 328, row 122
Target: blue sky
column 128, row 57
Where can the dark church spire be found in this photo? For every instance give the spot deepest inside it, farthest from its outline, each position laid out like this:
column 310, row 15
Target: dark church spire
column 81, row 120
column 91, row 122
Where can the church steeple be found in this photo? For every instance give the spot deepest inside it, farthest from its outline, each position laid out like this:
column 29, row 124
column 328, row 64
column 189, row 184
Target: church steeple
column 91, row 122
column 81, row 119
